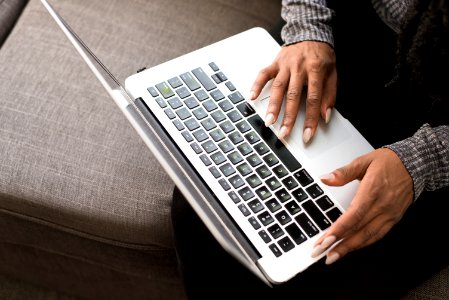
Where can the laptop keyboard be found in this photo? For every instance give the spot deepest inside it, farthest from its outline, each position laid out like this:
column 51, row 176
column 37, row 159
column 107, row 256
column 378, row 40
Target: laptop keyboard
column 272, row 190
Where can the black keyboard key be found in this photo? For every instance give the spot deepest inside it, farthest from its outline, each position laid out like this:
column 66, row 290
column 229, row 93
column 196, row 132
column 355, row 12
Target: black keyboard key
column 245, row 109
column 235, row 157
column 243, row 126
column 178, row 124
column 217, row 135
column 236, row 137
column 252, row 137
column 206, row 161
column 280, row 171
column 315, row 213
column 218, row 116
column 274, row 143
column 245, row 211
column 246, row 193
column 226, row 146
column 215, row 172
column 234, row 197
column 263, row 171
column 236, row 97
column 191, row 124
column 263, row 193
column 226, row 105
column 270, row 159
column 293, row 207
column 218, row 158
column 307, row 225
column 153, row 91
column 265, row 218
column 165, row 90
column 255, row 206
column 224, row 184
column 208, row 124
column 273, row 205
column 244, row 169
column 191, row 102
column 283, row 217
column 187, row 136
column 170, row 114
column 314, row 190
column 174, row 82
column 276, row 251
column 289, row 182
column 286, row 244
column 196, row 148
column 222, row 76
column 275, row 231
column 217, row 95
column 334, row 214
column 216, row 78
column 282, row 195
column 213, row 66
column 210, row 105
column 253, row 221
column 299, row 194
column 261, row 148
column 190, row 81
column 200, row 113
column 183, row 113
column 161, row 102
column 264, row 235
column 204, row 79
column 183, row 92
column 273, row 183
column 245, row 148
column 254, row 160
column 227, row 127
column 303, row 177
column 200, row 135
column 295, row 233
column 209, row 146
column 230, row 86
column 236, row 181
column 253, row 181
column 201, row 95
column 227, row 169
column 234, row 116
column 324, row 203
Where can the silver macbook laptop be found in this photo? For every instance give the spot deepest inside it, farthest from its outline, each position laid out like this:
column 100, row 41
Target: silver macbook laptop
column 259, row 196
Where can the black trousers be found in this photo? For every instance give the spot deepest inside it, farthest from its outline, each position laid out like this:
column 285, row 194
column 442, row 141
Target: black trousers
column 410, row 253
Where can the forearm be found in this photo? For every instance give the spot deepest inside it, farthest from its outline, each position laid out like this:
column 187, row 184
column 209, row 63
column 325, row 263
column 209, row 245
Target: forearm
column 426, row 157
column 306, row 20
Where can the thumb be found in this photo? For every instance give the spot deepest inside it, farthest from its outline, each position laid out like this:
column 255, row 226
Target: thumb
column 345, row 174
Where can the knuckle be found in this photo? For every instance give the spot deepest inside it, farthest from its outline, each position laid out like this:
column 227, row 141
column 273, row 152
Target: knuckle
column 278, row 84
column 293, row 94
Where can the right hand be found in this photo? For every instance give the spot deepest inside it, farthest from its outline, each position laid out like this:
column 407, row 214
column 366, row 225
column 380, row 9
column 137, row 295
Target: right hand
column 307, row 63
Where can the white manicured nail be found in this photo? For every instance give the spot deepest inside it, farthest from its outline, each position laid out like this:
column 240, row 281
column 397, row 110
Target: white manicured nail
column 283, row 132
column 328, row 115
column 307, row 134
column 328, row 241
column 329, row 176
column 269, row 119
column 317, row 251
column 332, row 257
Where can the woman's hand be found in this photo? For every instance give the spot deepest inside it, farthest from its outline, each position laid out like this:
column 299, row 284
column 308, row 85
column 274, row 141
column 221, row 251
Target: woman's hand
column 384, row 194
column 306, row 63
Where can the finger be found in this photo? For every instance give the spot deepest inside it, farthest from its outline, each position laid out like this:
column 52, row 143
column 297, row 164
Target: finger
column 313, row 105
column 262, row 78
column 292, row 102
column 356, row 169
column 329, row 97
column 368, row 235
column 278, row 88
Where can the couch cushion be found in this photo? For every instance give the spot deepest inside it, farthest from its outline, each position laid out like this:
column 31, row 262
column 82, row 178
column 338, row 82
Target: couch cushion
column 9, row 12
column 68, row 157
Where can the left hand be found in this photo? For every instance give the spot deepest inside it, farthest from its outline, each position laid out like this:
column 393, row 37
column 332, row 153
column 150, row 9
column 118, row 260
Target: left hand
column 384, row 194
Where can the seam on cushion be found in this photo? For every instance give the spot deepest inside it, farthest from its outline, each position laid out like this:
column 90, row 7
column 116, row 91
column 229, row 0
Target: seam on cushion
column 82, row 234
column 82, row 259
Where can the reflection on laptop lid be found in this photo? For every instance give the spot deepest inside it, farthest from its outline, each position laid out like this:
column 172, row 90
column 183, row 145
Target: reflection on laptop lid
column 258, row 195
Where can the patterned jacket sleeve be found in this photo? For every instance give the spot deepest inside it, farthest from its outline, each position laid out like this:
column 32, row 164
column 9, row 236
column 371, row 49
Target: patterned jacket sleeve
column 306, row 20
column 426, row 157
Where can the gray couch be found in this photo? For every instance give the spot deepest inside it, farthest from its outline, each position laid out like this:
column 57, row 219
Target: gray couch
column 84, row 206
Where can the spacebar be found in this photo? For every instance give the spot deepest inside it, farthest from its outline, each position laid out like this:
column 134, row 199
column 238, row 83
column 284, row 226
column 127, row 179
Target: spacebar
column 274, row 143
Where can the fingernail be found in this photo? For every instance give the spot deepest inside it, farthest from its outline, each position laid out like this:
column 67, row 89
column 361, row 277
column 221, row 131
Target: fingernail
column 252, row 95
column 328, row 115
column 282, row 132
column 317, row 251
column 332, row 257
column 307, row 134
column 269, row 119
column 328, row 241
column 329, row 176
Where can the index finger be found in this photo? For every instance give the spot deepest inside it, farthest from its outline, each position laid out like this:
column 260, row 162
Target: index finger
column 264, row 75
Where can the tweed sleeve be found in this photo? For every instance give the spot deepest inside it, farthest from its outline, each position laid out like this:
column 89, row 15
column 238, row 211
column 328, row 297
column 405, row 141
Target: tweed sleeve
column 426, row 157
column 306, row 20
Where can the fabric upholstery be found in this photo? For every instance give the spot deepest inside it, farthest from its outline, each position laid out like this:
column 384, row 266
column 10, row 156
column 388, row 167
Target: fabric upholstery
column 84, row 205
